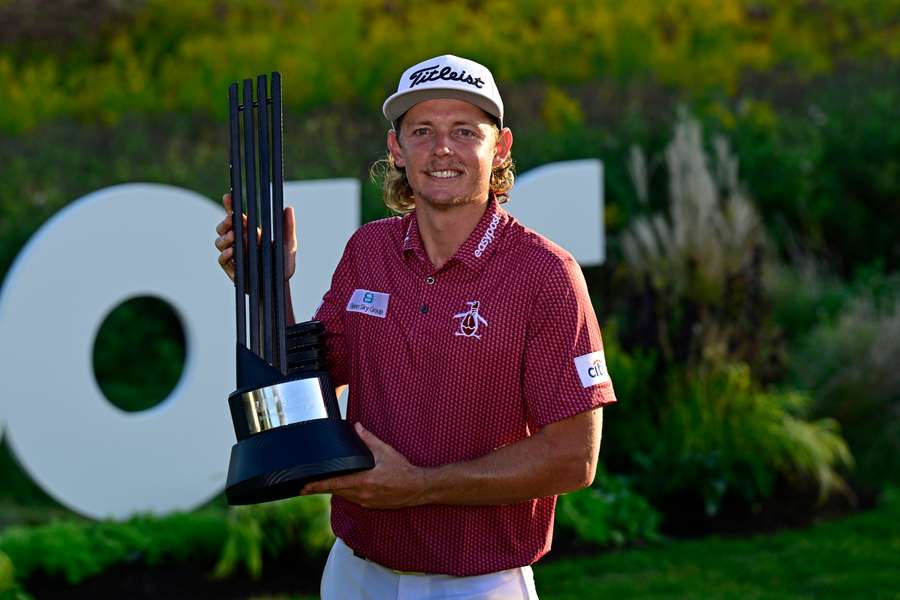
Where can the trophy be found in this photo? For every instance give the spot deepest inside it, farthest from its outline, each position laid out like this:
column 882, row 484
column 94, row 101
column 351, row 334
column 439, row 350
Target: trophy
column 285, row 413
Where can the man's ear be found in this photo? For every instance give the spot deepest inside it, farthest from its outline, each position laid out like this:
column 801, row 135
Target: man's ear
column 503, row 148
column 393, row 144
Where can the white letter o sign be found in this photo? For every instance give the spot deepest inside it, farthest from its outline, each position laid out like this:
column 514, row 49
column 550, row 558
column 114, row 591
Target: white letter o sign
column 112, row 245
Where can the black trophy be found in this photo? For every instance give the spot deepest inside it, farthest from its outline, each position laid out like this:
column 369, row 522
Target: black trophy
column 285, row 412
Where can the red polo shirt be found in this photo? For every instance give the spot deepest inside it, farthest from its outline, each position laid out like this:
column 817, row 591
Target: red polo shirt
column 448, row 364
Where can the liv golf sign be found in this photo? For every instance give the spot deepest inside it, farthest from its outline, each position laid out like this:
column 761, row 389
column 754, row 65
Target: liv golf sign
column 155, row 240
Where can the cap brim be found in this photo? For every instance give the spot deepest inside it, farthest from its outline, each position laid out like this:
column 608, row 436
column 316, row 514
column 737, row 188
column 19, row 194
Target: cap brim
column 395, row 106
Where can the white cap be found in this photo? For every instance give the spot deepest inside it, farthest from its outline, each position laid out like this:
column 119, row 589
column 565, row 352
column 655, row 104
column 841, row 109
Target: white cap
column 445, row 77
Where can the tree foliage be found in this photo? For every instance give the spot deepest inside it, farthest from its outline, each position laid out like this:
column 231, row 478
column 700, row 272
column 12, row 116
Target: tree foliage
column 163, row 56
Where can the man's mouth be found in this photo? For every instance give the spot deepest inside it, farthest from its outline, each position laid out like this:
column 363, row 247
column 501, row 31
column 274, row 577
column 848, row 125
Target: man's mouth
column 445, row 174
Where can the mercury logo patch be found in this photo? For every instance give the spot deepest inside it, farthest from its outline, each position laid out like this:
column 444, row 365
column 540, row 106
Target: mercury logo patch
column 592, row 368
column 370, row 303
column 471, row 320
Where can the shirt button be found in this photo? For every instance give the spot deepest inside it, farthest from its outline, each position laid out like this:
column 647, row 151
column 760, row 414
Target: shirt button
column 423, row 309
column 430, row 280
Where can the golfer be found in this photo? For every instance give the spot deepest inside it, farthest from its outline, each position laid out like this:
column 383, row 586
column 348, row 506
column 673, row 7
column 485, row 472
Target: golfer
column 474, row 359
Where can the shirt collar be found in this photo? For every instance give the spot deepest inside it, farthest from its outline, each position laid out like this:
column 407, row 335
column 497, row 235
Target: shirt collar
column 411, row 240
column 477, row 248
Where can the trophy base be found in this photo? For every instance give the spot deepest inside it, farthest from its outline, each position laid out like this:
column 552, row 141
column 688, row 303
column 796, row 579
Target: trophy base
column 266, row 466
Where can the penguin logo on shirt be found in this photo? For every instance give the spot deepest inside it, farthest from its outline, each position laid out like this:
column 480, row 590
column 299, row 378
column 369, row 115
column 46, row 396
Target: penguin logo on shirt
column 471, row 320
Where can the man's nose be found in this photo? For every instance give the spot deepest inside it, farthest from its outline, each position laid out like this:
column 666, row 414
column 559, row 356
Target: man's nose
column 442, row 146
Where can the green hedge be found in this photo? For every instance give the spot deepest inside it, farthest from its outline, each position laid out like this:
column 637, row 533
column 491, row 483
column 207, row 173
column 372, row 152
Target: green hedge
column 239, row 541
column 227, row 542
column 76, row 549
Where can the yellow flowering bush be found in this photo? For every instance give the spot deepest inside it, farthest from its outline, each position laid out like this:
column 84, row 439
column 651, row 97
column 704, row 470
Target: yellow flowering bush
column 174, row 56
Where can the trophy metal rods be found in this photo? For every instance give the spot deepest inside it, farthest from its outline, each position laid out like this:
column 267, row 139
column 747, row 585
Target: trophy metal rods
column 265, row 216
column 259, row 270
column 237, row 219
column 278, row 218
column 252, row 224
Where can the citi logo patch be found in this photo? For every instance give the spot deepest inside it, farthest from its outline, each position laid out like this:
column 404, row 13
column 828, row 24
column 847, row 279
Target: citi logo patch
column 471, row 320
column 367, row 302
column 592, row 368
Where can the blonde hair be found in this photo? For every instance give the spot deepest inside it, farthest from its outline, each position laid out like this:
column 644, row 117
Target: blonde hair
column 398, row 194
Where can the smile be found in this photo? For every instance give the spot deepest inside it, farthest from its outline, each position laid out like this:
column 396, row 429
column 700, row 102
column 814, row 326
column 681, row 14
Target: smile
column 444, row 174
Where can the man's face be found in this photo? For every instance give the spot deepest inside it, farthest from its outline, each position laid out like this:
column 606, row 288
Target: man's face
column 448, row 148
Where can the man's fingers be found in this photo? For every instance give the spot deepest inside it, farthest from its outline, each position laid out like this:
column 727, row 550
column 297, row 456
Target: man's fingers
column 225, row 241
column 370, row 439
column 226, row 262
column 332, row 484
column 317, row 488
column 224, row 225
column 225, row 256
column 290, row 229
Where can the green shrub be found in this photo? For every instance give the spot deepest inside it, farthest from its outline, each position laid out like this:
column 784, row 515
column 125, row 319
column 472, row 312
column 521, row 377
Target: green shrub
column 719, row 434
column 850, row 366
column 843, row 339
column 76, row 549
column 225, row 540
column 713, row 431
column 255, row 532
column 608, row 513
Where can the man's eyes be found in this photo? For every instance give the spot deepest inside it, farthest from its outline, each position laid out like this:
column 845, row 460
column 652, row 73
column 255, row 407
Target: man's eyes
column 462, row 132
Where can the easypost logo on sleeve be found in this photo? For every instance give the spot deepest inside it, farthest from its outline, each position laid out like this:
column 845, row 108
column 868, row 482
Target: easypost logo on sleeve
column 368, row 302
column 591, row 368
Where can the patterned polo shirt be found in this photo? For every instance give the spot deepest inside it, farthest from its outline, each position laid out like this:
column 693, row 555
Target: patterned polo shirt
column 449, row 364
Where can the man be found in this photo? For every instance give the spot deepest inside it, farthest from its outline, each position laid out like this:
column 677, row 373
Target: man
column 473, row 355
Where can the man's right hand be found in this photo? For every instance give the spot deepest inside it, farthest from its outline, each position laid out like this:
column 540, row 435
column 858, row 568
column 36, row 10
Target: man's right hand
column 225, row 242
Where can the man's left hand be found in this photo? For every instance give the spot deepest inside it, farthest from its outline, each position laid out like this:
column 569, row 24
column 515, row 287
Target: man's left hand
column 392, row 483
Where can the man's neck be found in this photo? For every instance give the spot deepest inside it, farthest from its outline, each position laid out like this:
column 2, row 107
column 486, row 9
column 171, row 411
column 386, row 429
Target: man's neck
column 443, row 230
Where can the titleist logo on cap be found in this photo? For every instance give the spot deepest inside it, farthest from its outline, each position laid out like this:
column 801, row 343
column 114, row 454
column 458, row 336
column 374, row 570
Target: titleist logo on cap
column 432, row 73
column 444, row 77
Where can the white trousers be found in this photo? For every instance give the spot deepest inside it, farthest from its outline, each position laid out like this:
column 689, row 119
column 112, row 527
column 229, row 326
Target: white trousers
column 348, row 577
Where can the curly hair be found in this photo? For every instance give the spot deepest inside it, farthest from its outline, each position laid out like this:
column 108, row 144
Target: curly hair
column 398, row 194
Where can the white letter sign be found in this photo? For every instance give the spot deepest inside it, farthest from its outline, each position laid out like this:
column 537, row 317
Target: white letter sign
column 121, row 242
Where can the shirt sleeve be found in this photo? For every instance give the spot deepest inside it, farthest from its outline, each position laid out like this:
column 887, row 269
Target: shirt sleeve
column 564, row 366
column 331, row 313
